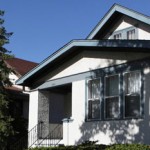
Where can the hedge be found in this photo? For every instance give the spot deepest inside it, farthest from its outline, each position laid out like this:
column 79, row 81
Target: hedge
column 98, row 147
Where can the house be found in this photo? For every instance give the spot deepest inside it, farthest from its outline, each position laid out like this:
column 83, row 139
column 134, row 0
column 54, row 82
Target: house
column 19, row 95
column 96, row 88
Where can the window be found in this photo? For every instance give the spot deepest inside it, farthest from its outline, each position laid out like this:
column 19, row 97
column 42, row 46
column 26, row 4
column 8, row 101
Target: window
column 112, row 97
column 94, row 99
column 131, row 34
column 117, row 36
column 116, row 96
column 132, row 94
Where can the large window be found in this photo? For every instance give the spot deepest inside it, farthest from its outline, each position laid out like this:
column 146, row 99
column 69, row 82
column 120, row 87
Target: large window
column 112, row 97
column 118, row 96
column 94, row 99
column 132, row 94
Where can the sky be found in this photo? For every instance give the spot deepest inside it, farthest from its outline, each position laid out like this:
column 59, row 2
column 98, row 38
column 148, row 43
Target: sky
column 40, row 27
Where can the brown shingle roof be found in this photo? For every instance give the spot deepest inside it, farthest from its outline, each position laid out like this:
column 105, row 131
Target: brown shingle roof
column 20, row 66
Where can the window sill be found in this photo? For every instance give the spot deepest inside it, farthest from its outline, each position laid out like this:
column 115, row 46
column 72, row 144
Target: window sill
column 121, row 119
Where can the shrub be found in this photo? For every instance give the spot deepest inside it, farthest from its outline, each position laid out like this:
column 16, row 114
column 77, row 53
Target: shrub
column 128, row 147
column 92, row 146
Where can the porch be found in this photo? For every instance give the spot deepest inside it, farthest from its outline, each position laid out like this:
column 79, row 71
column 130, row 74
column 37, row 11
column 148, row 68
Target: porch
column 54, row 106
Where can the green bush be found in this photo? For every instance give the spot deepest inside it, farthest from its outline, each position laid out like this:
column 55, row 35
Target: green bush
column 93, row 146
column 128, row 147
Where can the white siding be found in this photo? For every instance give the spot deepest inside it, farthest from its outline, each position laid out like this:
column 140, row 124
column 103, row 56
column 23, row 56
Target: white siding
column 13, row 78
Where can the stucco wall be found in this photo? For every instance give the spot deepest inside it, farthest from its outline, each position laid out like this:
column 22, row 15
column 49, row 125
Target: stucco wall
column 89, row 60
column 106, row 132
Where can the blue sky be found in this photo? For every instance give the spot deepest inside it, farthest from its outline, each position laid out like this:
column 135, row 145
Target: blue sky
column 43, row 26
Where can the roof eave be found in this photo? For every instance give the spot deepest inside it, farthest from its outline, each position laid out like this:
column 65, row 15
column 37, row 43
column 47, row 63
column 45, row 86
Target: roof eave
column 84, row 43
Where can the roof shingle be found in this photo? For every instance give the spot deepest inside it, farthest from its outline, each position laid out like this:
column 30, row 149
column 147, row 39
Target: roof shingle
column 20, row 66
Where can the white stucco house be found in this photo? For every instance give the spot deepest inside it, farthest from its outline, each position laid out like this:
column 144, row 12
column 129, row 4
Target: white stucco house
column 97, row 88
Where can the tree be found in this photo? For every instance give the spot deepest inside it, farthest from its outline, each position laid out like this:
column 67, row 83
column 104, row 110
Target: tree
column 6, row 128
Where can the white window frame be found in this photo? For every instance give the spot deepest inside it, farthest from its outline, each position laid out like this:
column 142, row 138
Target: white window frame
column 140, row 113
column 100, row 84
column 119, row 105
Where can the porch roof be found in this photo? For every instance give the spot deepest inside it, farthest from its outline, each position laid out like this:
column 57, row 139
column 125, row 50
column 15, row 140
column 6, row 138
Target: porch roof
column 74, row 45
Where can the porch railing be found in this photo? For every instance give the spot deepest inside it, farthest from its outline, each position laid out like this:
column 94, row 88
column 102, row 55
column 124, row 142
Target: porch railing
column 40, row 135
column 53, row 138
column 23, row 142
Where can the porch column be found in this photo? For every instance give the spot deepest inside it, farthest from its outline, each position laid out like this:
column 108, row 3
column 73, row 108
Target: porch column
column 66, row 130
column 33, row 116
column 38, row 112
column 33, row 109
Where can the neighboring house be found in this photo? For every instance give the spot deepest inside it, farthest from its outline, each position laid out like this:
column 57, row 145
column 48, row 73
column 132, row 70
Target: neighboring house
column 19, row 95
column 96, row 88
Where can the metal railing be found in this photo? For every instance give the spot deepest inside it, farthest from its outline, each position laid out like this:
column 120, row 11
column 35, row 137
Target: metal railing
column 27, row 140
column 53, row 137
column 40, row 135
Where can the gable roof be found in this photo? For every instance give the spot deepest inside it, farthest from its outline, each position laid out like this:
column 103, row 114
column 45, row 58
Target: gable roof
column 90, row 42
column 115, row 12
column 74, row 45
column 20, row 66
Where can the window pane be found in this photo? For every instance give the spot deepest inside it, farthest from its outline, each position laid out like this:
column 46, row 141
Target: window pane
column 132, row 106
column 131, row 34
column 90, row 89
column 117, row 36
column 94, row 109
column 112, row 85
column 132, row 82
column 112, row 107
column 94, row 99
column 94, row 89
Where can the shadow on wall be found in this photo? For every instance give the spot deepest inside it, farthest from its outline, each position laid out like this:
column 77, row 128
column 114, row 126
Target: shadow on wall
column 121, row 131
column 109, row 132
